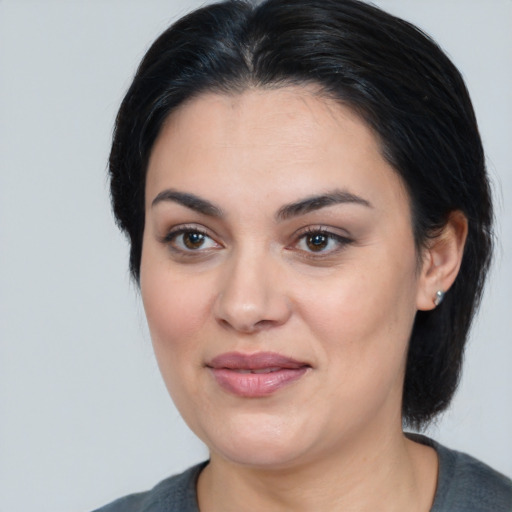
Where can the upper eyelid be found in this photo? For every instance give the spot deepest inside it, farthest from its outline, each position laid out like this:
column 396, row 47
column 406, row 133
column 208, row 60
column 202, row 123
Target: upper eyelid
column 173, row 233
column 328, row 234
column 169, row 240
column 183, row 228
column 326, row 230
column 341, row 239
column 330, row 231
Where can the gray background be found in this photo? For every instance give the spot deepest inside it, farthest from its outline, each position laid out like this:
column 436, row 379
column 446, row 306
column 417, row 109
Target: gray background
column 84, row 416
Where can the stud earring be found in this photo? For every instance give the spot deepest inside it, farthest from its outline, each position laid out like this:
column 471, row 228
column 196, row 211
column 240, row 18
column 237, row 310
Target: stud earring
column 439, row 297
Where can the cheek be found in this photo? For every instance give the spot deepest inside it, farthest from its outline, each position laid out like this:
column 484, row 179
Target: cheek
column 364, row 316
column 171, row 309
column 173, row 300
column 175, row 312
column 364, row 343
column 176, row 307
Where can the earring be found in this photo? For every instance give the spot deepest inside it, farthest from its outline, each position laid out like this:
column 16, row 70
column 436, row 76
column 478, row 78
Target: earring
column 439, row 297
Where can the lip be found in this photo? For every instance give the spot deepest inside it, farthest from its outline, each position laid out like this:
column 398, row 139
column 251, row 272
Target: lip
column 255, row 375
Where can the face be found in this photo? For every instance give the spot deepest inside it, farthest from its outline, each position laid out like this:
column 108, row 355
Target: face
column 279, row 275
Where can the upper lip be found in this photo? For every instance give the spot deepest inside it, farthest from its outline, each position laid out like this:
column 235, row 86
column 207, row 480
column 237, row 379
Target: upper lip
column 257, row 361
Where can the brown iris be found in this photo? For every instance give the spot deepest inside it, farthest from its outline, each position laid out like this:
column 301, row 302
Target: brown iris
column 317, row 241
column 193, row 239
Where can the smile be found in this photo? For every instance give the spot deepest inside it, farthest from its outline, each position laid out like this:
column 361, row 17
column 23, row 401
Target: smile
column 255, row 375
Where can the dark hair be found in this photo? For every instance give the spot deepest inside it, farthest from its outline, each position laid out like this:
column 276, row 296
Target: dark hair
column 393, row 75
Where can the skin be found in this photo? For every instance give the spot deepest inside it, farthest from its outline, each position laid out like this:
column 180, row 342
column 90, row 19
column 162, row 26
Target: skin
column 255, row 282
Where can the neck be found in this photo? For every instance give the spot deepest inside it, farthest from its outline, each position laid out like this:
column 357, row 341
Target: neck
column 380, row 471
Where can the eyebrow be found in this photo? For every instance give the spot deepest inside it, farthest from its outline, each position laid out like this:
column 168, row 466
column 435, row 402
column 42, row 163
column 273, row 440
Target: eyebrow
column 310, row 204
column 189, row 201
column 288, row 211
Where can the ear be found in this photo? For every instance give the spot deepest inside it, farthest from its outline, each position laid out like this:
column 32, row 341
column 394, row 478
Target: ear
column 441, row 260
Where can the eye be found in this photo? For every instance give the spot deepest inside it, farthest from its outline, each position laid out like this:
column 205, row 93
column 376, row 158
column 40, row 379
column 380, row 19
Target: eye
column 321, row 241
column 189, row 240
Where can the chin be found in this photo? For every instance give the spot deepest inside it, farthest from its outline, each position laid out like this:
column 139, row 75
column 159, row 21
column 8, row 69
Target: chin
column 258, row 455
column 263, row 442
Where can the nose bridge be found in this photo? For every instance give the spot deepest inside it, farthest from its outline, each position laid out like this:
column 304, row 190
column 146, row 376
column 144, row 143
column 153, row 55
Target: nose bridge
column 250, row 295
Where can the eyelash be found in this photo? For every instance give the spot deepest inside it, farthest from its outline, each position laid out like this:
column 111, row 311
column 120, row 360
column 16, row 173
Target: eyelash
column 170, row 240
column 341, row 241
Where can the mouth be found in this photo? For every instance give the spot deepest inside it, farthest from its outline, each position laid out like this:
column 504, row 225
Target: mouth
column 261, row 370
column 255, row 375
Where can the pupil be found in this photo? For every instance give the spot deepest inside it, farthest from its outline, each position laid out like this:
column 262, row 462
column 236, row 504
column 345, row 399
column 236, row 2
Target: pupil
column 316, row 242
column 193, row 240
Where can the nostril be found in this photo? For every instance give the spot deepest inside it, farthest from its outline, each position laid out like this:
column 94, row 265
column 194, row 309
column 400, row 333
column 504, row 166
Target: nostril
column 224, row 322
column 262, row 324
column 246, row 327
column 250, row 302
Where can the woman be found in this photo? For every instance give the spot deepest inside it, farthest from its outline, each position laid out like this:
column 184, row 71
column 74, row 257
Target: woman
column 304, row 190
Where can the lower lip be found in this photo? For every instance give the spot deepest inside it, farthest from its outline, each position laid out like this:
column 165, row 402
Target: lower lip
column 256, row 385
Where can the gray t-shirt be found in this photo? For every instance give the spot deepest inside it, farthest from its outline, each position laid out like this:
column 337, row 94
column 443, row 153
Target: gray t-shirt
column 464, row 485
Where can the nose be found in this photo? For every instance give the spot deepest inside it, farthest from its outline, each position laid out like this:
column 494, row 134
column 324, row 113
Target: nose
column 251, row 297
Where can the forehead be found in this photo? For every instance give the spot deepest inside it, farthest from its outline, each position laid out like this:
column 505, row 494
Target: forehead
column 291, row 138
column 293, row 115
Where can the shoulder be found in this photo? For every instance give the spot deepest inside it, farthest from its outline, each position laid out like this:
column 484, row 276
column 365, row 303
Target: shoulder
column 174, row 494
column 466, row 484
column 471, row 485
